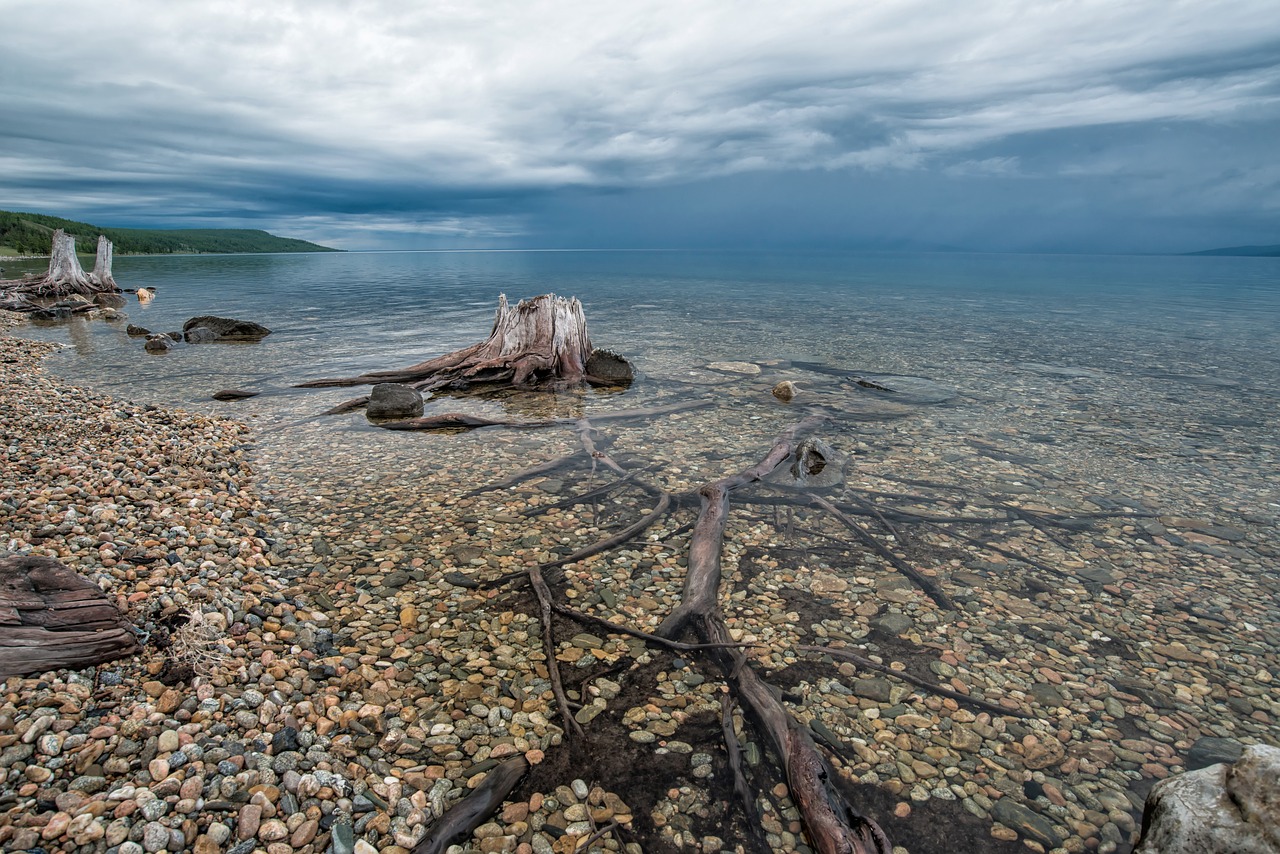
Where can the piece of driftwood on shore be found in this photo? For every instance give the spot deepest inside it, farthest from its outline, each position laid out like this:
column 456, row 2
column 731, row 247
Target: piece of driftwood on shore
column 474, row 809
column 51, row 617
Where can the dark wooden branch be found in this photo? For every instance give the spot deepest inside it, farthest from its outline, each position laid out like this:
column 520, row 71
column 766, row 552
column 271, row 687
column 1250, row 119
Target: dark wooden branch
column 702, row 581
column 469, row 813
column 925, row 583
column 833, row 826
column 1012, row 555
column 667, row 643
column 625, row 535
column 549, row 647
column 51, row 617
column 740, row 787
column 525, row 474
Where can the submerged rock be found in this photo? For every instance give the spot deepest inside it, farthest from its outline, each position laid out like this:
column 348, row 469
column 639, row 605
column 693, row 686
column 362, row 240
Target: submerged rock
column 744, row 368
column 234, row 394
column 160, row 343
column 1212, row 751
column 225, row 328
column 785, row 391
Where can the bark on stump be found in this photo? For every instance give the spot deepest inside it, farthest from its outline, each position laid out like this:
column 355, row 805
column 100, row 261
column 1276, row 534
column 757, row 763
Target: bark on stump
column 51, row 617
column 539, row 342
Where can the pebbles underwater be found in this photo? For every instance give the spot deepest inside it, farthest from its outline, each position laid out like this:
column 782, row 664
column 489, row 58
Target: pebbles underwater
column 316, row 679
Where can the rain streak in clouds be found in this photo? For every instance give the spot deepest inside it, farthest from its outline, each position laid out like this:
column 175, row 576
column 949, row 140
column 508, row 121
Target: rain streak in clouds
column 1077, row 126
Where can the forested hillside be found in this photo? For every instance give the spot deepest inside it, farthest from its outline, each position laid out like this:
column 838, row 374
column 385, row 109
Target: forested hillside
column 29, row 233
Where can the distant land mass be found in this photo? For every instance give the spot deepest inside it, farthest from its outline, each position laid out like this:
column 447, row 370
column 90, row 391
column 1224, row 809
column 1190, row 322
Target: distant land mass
column 1247, row 251
column 29, row 233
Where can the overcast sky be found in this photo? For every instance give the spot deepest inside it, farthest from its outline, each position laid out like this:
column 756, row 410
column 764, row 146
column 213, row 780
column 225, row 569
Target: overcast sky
column 1026, row 125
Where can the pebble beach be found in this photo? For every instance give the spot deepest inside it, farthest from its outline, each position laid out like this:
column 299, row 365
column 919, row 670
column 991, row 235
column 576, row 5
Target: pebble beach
column 315, row 678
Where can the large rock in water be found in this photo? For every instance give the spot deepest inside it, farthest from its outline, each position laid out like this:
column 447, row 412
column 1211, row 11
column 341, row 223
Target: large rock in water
column 609, row 366
column 388, row 401
column 226, row 328
column 1222, row 809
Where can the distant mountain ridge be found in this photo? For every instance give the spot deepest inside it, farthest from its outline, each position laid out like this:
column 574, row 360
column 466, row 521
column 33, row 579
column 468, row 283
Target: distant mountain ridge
column 1245, row 251
column 29, row 233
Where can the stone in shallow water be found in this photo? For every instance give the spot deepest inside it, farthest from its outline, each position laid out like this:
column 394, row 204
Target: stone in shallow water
column 892, row 624
column 226, row 328
column 744, row 368
column 873, row 688
column 1211, row 751
column 1027, row 822
column 394, row 400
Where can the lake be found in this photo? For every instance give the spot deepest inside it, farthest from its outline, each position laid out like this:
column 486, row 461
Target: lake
column 1081, row 451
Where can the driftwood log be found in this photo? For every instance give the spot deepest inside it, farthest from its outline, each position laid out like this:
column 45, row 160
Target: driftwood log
column 472, row 811
column 537, row 343
column 51, row 617
column 833, row 825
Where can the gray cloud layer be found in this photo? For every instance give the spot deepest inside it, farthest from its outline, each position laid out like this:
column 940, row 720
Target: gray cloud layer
column 985, row 124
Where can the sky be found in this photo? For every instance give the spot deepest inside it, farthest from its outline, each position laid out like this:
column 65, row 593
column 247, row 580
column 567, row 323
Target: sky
column 989, row 125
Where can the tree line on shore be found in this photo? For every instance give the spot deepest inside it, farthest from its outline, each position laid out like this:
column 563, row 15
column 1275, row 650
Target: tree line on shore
column 30, row 233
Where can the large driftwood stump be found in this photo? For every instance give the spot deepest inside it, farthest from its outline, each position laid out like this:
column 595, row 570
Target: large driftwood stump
column 65, row 276
column 51, row 617
column 538, row 343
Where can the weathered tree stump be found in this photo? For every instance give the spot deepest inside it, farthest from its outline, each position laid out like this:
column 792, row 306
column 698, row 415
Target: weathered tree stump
column 65, row 276
column 101, row 275
column 51, row 617
column 538, row 343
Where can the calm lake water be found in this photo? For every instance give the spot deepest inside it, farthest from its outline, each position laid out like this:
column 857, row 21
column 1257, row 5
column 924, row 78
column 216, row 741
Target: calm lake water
column 1143, row 373
column 1212, row 319
column 1085, row 449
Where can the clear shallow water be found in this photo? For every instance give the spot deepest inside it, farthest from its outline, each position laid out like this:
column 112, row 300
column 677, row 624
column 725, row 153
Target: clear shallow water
column 341, row 313
column 1156, row 373
column 1074, row 385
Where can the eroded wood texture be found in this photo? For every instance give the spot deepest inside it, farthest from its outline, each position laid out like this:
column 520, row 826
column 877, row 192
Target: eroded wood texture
column 51, row 617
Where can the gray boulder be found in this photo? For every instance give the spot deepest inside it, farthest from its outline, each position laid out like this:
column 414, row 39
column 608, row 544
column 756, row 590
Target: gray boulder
column 1222, row 809
column 389, row 401
column 226, row 328
column 136, row 331
column 109, row 300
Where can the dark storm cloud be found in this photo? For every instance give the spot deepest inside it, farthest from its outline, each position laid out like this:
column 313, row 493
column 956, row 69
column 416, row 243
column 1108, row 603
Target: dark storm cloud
column 998, row 125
